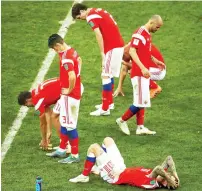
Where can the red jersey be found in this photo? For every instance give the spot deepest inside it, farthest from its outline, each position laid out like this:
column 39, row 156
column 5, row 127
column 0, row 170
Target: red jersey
column 141, row 41
column 69, row 61
column 138, row 176
column 46, row 94
column 99, row 18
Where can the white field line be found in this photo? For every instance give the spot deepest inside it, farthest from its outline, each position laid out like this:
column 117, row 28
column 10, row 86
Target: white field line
column 39, row 78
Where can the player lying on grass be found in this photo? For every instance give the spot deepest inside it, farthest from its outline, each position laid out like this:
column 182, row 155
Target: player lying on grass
column 113, row 169
column 157, row 72
column 41, row 98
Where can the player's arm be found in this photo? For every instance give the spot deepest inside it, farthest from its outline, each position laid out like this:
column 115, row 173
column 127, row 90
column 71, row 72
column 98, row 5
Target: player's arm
column 72, row 82
column 136, row 59
column 99, row 38
column 159, row 171
column 170, row 164
column 157, row 62
column 48, row 124
column 43, row 129
column 128, row 64
column 119, row 90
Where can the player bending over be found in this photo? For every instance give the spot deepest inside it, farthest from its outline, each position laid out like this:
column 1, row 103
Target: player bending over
column 41, row 98
column 113, row 170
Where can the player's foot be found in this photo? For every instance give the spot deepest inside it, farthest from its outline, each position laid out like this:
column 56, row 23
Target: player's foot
column 155, row 92
column 95, row 170
column 100, row 112
column 68, row 148
column 56, row 154
column 80, row 178
column 111, row 106
column 144, row 131
column 50, row 147
column 123, row 125
column 70, row 159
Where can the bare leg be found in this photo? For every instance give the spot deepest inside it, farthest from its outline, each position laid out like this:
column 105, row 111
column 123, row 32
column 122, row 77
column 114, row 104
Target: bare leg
column 56, row 123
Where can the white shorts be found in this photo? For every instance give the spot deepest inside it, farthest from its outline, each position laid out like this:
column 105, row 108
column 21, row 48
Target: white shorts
column 68, row 108
column 157, row 73
column 141, row 93
column 111, row 164
column 112, row 62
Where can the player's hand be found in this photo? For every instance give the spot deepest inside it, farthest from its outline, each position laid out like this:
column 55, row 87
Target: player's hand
column 161, row 65
column 65, row 91
column 172, row 183
column 176, row 178
column 118, row 91
column 145, row 72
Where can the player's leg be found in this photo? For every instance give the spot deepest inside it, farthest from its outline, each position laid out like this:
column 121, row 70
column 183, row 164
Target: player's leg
column 48, row 113
column 56, row 122
column 141, row 129
column 110, row 147
column 111, row 68
column 103, row 109
column 93, row 152
column 58, row 110
column 141, row 99
column 68, row 119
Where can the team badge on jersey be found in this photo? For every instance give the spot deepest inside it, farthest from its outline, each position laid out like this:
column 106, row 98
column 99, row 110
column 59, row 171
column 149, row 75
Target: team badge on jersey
column 66, row 66
column 91, row 24
column 136, row 42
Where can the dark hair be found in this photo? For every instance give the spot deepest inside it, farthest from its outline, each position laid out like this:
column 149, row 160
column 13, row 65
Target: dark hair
column 23, row 96
column 53, row 39
column 77, row 8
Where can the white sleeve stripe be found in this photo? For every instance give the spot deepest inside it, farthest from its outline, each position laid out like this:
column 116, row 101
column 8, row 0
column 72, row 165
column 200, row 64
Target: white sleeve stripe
column 139, row 36
column 94, row 16
column 38, row 104
column 66, row 61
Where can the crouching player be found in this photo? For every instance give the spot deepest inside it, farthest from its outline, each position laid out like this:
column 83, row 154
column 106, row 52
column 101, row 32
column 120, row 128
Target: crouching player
column 113, row 170
column 41, row 98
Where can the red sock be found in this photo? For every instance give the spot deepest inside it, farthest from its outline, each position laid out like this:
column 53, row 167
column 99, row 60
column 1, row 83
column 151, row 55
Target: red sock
column 64, row 139
column 87, row 167
column 111, row 100
column 153, row 85
column 105, row 100
column 140, row 117
column 127, row 115
column 74, row 145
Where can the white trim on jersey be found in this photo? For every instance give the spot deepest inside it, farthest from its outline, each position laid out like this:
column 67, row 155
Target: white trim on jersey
column 94, row 16
column 38, row 104
column 139, row 36
column 67, row 61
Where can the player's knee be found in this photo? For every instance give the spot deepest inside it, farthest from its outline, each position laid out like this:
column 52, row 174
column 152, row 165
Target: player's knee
column 94, row 147
column 108, row 141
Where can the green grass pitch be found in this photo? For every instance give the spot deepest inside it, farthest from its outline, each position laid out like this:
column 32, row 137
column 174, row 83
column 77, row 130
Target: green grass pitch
column 175, row 114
